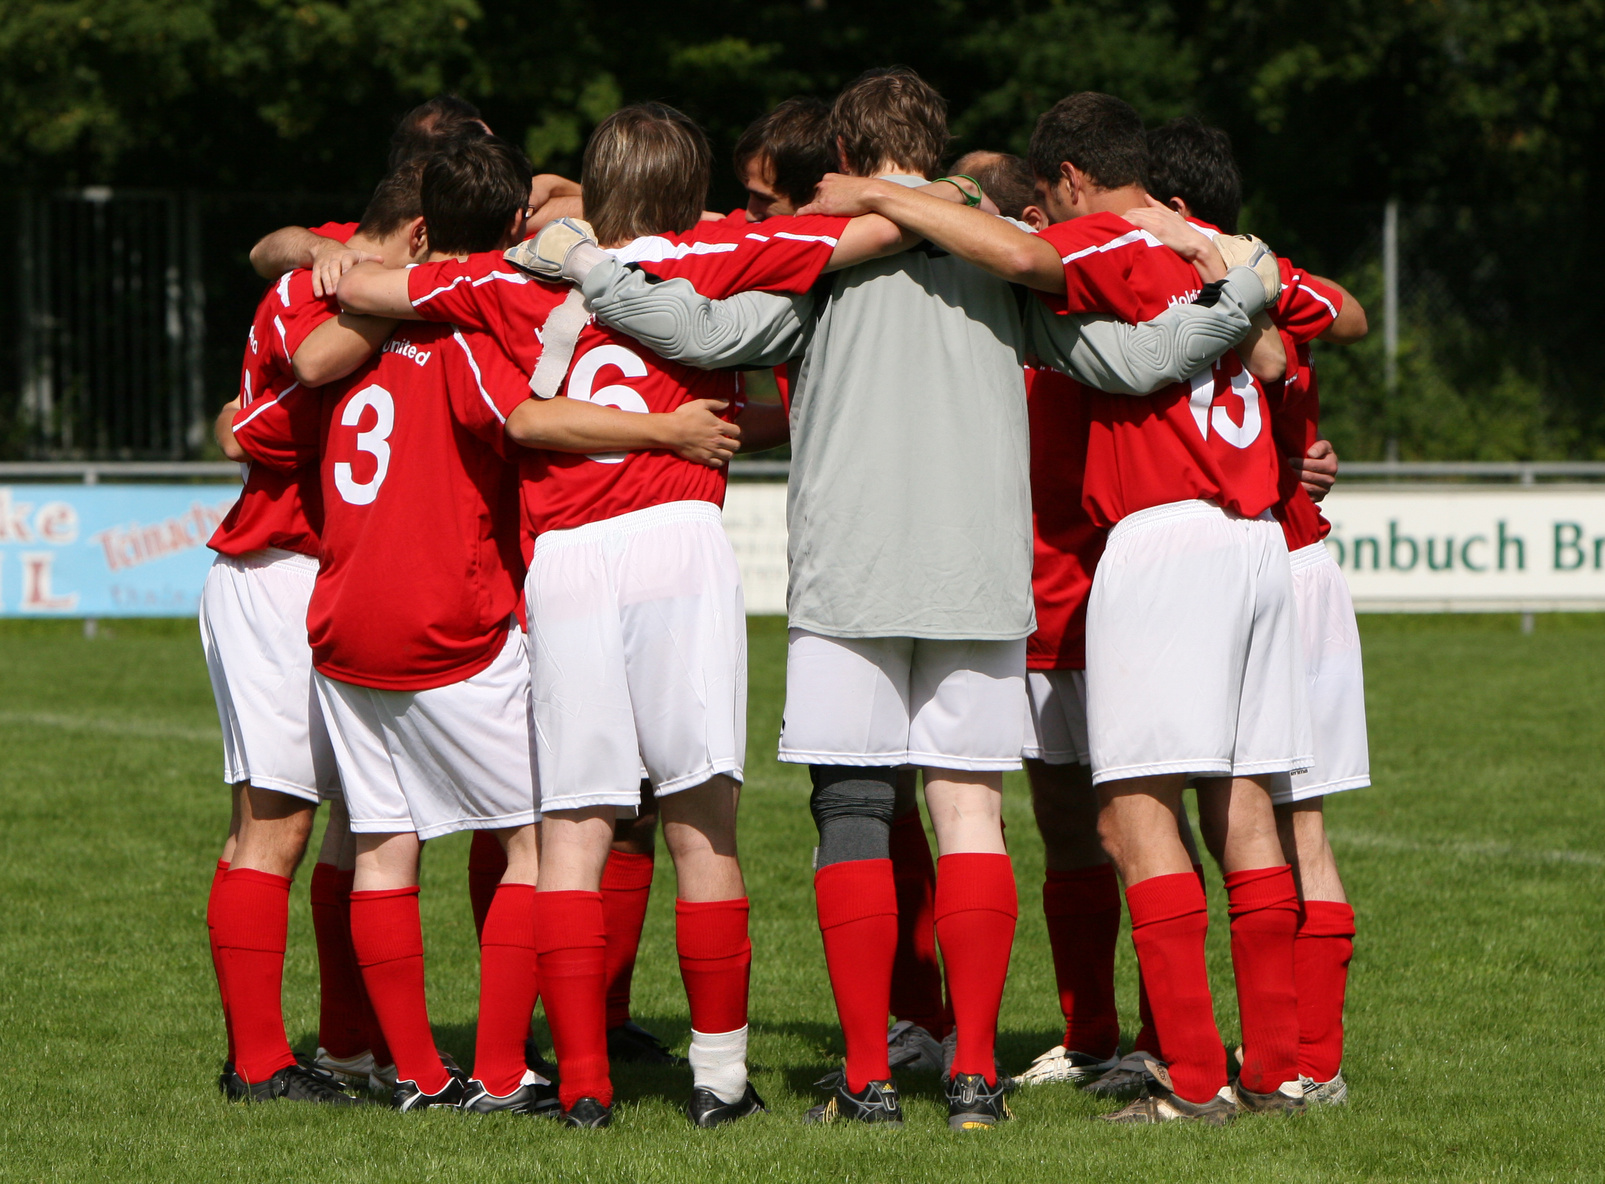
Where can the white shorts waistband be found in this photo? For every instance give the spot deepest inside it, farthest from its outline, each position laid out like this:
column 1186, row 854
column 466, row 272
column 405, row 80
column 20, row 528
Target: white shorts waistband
column 1172, row 511
column 273, row 556
column 1310, row 556
column 631, row 523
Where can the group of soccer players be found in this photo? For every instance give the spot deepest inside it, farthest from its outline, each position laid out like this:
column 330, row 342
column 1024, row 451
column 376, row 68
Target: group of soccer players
column 1055, row 444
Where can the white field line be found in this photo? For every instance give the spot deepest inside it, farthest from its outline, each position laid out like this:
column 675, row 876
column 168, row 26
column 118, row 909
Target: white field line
column 136, row 729
column 1458, row 850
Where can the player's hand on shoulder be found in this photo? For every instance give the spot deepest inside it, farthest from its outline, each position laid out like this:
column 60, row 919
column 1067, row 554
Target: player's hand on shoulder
column 1317, row 470
column 843, row 196
column 696, row 432
column 331, row 259
column 1169, row 227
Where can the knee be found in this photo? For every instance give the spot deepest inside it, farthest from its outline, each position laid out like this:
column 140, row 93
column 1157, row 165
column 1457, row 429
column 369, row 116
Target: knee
column 853, row 808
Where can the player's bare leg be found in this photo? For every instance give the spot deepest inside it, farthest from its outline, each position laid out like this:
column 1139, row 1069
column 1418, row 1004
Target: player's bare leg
column 1322, row 950
column 976, row 911
column 1239, row 827
column 626, row 890
column 710, row 912
column 918, row 1000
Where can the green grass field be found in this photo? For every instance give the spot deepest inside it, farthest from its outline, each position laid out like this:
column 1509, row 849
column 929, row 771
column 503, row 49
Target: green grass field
column 1476, row 866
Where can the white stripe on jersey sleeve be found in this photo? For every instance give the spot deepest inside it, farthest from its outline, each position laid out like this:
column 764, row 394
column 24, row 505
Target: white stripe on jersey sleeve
column 1298, row 282
column 479, row 381
column 654, row 248
column 284, row 288
column 265, row 406
column 806, row 238
column 1135, row 236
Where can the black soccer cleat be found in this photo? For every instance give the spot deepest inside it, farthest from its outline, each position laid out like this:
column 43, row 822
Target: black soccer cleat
column 586, row 1114
column 631, row 1044
column 531, row 1097
column 877, row 1102
column 1285, row 1099
column 973, row 1105
column 297, row 1083
column 407, row 1097
column 706, row 1109
column 231, row 1085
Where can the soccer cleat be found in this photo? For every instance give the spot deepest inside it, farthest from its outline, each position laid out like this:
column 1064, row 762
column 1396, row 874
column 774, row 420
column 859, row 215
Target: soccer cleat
column 352, row 1072
column 1128, row 1078
column 631, row 1044
column 1325, row 1093
column 1061, row 1064
column 909, row 1046
column 877, row 1102
column 950, row 1049
column 586, row 1114
column 1161, row 1104
column 297, row 1083
column 231, row 1085
column 534, row 1095
column 382, row 1079
column 706, row 1109
column 1287, row 1098
column 973, row 1105
column 407, row 1097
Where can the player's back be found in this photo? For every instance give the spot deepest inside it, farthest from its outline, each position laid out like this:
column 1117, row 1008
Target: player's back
column 420, row 568
column 909, row 500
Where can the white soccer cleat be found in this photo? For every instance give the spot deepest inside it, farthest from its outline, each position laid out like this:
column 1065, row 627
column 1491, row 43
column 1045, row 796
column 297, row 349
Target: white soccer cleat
column 1059, row 1063
column 350, row 1071
column 1325, row 1093
column 383, row 1079
column 1129, row 1076
column 909, row 1046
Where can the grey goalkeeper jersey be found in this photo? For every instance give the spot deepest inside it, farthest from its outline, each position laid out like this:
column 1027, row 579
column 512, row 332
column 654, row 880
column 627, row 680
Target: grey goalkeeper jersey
column 909, row 503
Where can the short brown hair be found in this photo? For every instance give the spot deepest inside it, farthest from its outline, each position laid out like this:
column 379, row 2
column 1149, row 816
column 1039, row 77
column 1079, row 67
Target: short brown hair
column 395, row 201
column 646, row 171
column 890, row 116
column 795, row 139
column 1007, row 180
column 470, row 192
column 1193, row 161
column 1101, row 135
column 430, row 126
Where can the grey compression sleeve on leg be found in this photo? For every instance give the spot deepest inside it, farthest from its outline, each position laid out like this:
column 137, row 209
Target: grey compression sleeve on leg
column 852, row 807
column 1139, row 359
column 749, row 329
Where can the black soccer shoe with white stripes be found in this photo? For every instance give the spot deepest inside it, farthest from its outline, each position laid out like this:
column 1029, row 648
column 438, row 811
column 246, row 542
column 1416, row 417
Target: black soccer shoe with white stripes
column 973, row 1105
column 877, row 1102
column 707, row 1109
column 534, row 1095
column 631, row 1044
column 297, row 1083
column 407, row 1097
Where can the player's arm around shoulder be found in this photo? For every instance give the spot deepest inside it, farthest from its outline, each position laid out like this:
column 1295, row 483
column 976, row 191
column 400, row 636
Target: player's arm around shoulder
column 338, row 346
column 371, row 289
column 693, row 431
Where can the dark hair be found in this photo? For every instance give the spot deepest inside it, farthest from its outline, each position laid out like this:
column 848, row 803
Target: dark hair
column 1101, row 135
column 1193, row 161
column 1007, row 180
column 395, row 201
column 890, row 116
column 646, row 171
column 430, row 126
column 795, row 139
column 470, row 192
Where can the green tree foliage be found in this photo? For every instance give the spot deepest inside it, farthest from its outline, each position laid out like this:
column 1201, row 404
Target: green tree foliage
column 1481, row 116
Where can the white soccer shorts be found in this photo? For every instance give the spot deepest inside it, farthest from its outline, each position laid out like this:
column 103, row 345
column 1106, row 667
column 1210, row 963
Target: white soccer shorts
column 1193, row 656
column 904, row 701
column 1335, row 677
column 254, row 634
column 1056, row 731
column 449, row 758
column 638, row 656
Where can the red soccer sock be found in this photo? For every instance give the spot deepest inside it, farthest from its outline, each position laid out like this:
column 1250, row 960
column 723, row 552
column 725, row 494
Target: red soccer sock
column 715, row 961
column 1321, row 954
column 571, row 942
column 253, row 919
column 217, row 962
column 857, row 904
column 916, row 973
column 507, row 988
column 976, row 910
column 1148, row 1036
column 626, row 888
column 1263, row 905
column 388, row 938
column 1168, row 924
column 1082, row 908
column 342, row 1030
column 487, row 863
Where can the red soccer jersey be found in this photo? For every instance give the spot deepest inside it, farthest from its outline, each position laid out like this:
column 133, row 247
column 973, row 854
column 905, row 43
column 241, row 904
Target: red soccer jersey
column 564, row 490
column 280, row 504
column 1305, row 310
column 337, row 230
column 1066, row 544
column 420, row 571
column 1207, row 439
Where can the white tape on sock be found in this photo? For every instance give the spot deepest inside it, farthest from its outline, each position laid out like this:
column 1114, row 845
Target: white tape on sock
column 719, row 1063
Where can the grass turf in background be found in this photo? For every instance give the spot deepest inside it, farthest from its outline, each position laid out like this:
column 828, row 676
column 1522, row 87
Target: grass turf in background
column 1476, row 867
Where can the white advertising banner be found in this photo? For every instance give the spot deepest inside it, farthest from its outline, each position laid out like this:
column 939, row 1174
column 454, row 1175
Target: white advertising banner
column 1416, row 548
column 1470, row 548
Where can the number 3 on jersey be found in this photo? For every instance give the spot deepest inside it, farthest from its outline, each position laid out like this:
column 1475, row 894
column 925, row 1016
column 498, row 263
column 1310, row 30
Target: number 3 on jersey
column 582, row 380
column 375, row 441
